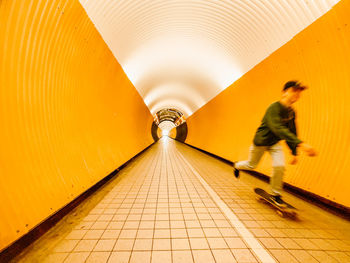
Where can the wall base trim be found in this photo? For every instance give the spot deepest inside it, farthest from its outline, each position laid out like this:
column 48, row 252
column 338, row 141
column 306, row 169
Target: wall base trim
column 13, row 250
column 326, row 204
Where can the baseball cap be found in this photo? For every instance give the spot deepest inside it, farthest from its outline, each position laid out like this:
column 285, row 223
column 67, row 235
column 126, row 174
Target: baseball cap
column 294, row 84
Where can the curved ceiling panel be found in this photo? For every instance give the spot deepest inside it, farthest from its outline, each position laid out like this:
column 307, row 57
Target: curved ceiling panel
column 192, row 48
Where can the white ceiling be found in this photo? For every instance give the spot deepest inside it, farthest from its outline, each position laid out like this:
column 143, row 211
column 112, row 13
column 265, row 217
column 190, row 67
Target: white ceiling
column 181, row 53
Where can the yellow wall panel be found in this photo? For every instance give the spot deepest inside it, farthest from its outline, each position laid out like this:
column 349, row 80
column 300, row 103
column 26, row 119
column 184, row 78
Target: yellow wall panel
column 172, row 133
column 159, row 133
column 319, row 56
column 69, row 115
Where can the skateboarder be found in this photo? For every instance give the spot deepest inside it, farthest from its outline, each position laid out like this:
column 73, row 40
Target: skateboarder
column 277, row 124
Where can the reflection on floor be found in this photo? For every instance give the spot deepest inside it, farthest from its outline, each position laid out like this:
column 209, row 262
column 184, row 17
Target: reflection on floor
column 159, row 209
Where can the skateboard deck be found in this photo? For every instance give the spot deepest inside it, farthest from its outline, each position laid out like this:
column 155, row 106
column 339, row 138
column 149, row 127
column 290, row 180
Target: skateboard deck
column 288, row 210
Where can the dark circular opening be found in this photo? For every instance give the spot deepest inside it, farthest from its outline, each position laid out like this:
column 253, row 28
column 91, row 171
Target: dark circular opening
column 169, row 122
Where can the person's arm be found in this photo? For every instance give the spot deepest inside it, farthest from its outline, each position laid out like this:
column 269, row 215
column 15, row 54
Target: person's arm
column 275, row 124
column 308, row 149
column 293, row 146
column 273, row 121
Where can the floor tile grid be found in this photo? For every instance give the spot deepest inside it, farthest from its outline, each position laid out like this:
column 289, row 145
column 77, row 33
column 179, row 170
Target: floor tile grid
column 141, row 247
column 238, row 246
column 245, row 254
column 162, row 193
column 160, row 212
column 284, row 253
column 280, row 224
column 158, row 192
column 310, row 225
column 77, row 233
column 95, row 211
column 154, row 185
column 130, row 192
column 235, row 209
column 123, row 196
column 179, row 238
column 120, row 193
column 176, row 169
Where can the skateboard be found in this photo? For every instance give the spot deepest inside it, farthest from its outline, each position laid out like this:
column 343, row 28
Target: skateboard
column 288, row 210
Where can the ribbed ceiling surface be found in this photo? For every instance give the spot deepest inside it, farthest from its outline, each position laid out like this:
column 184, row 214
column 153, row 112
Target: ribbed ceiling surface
column 180, row 54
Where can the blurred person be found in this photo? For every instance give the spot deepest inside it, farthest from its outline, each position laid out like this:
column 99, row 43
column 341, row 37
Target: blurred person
column 277, row 124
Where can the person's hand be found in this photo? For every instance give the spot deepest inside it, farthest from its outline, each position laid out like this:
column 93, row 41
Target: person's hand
column 308, row 149
column 293, row 160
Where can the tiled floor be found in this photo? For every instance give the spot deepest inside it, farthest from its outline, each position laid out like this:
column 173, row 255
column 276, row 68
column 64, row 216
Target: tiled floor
column 157, row 210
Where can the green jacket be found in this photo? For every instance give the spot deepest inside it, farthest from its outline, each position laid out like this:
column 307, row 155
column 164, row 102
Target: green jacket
column 278, row 124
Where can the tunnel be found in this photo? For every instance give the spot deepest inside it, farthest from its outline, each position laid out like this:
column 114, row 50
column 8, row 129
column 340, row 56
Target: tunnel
column 136, row 111
column 171, row 123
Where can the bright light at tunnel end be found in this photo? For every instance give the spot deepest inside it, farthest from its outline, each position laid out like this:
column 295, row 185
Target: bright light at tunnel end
column 165, row 133
column 166, row 127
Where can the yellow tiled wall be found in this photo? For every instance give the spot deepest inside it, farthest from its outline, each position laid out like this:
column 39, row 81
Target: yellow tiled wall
column 67, row 111
column 319, row 56
column 172, row 133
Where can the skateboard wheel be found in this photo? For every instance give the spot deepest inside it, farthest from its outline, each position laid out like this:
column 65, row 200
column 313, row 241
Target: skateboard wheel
column 261, row 200
column 294, row 215
column 280, row 213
